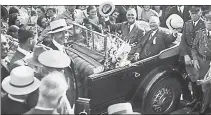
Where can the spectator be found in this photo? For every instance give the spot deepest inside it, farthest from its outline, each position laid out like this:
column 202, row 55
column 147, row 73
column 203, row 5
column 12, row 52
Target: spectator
column 4, row 14
column 49, row 62
column 14, row 19
column 18, row 85
column 13, row 31
column 13, row 10
column 147, row 12
column 158, row 10
column 51, row 93
column 122, row 14
column 81, row 13
column 26, row 44
column 182, row 11
column 4, row 60
column 68, row 14
column 93, row 19
column 40, row 11
column 51, row 14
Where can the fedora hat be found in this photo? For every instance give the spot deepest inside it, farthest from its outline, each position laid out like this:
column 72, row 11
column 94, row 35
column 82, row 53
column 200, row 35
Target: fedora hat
column 58, row 26
column 38, row 49
column 106, row 9
column 121, row 108
column 54, row 59
column 21, row 81
column 174, row 21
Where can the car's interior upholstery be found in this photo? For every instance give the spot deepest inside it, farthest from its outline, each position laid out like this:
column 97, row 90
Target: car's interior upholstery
column 84, row 64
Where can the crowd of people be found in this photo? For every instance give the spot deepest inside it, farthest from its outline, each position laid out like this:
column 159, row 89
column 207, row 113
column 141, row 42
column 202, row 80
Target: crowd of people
column 36, row 71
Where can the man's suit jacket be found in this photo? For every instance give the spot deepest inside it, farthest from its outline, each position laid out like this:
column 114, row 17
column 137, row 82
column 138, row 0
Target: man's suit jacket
column 188, row 36
column 9, row 106
column 133, row 36
column 161, row 40
column 173, row 10
column 4, row 72
column 17, row 56
column 34, row 111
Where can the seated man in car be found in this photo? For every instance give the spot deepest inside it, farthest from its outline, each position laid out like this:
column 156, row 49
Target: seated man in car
column 154, row 40
column 131, row 31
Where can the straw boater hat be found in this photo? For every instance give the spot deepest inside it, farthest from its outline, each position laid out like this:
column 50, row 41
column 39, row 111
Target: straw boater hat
column 38, row 49
column 106, row 9
column 121, row 108
column 58, row 26
column 21, row 81
column 174, row 21
column 54, row 59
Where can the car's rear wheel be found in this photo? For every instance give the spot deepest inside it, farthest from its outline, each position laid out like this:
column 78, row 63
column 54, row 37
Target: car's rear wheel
column 163, row 96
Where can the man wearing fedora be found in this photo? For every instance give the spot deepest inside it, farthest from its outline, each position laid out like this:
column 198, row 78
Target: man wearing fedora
column 52, row 89
column 189, row 33
column 54, row 60
column 19, row 84
column 155, row 40
column 59, row 34
column 201, row 53
column 27, row 41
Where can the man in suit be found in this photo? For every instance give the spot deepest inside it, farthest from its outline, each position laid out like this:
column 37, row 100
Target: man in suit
column 51, row 92
column 27, row 42
column 55, row 60
column 131, row 32
column 182, row 11
column 154, row 41
column 4, row 59
column 189, row 33
column 18, row 85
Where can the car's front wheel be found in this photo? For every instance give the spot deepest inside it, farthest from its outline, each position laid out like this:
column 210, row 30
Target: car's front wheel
column 163, row 96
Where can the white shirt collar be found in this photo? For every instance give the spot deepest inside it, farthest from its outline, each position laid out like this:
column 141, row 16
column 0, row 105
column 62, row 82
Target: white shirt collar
column 23, row 51
column 44, row 108
column 131, row 26
column 196, row 21
column 59, row 46
column 181, row 8
column 15, row 99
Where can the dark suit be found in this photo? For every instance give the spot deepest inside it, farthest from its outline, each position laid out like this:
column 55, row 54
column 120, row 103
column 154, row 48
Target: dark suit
column 4, row 72
column 9, row 106
column 185, row 15
column 34, row 111
column 17, row 56
column 162, row 40
column 133, row 36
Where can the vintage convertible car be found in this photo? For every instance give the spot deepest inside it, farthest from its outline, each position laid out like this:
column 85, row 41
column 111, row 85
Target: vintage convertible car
column 152, row 85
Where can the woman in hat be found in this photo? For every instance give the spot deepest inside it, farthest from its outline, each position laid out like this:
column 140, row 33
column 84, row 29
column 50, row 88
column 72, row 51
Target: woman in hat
column 18, row 85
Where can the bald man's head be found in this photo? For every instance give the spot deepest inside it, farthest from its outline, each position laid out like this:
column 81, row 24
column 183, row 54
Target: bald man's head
column 154, row 22
column 131, row 15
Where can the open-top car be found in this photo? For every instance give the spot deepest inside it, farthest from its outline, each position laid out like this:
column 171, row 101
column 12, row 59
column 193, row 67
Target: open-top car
column 151, row 85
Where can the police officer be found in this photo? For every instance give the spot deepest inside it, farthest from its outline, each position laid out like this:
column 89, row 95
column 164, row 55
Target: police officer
column 189, row 30
column 201, row 53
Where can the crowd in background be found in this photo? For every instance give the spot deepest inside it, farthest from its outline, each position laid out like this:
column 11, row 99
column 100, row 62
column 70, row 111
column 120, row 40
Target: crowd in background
column 26, row 26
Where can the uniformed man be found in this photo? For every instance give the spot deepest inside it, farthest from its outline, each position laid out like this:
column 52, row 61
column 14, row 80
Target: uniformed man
column 189, row 30
column 201, row 54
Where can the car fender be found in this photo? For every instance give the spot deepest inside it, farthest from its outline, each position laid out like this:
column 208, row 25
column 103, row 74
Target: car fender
column 158, row 73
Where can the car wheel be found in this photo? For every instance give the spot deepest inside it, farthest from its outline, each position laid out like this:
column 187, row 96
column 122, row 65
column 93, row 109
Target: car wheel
column 163, row 96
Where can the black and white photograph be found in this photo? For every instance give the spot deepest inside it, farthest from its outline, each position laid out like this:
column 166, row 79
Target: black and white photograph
column 105, row 58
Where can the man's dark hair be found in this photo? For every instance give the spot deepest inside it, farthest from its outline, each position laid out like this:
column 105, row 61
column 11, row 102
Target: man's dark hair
column 41, row 8
column 12, row 19
column 13, row 10
column 24, row 35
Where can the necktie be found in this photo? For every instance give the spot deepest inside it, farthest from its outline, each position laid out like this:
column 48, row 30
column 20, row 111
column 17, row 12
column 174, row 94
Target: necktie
column 73, row 16
column 128, row 29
